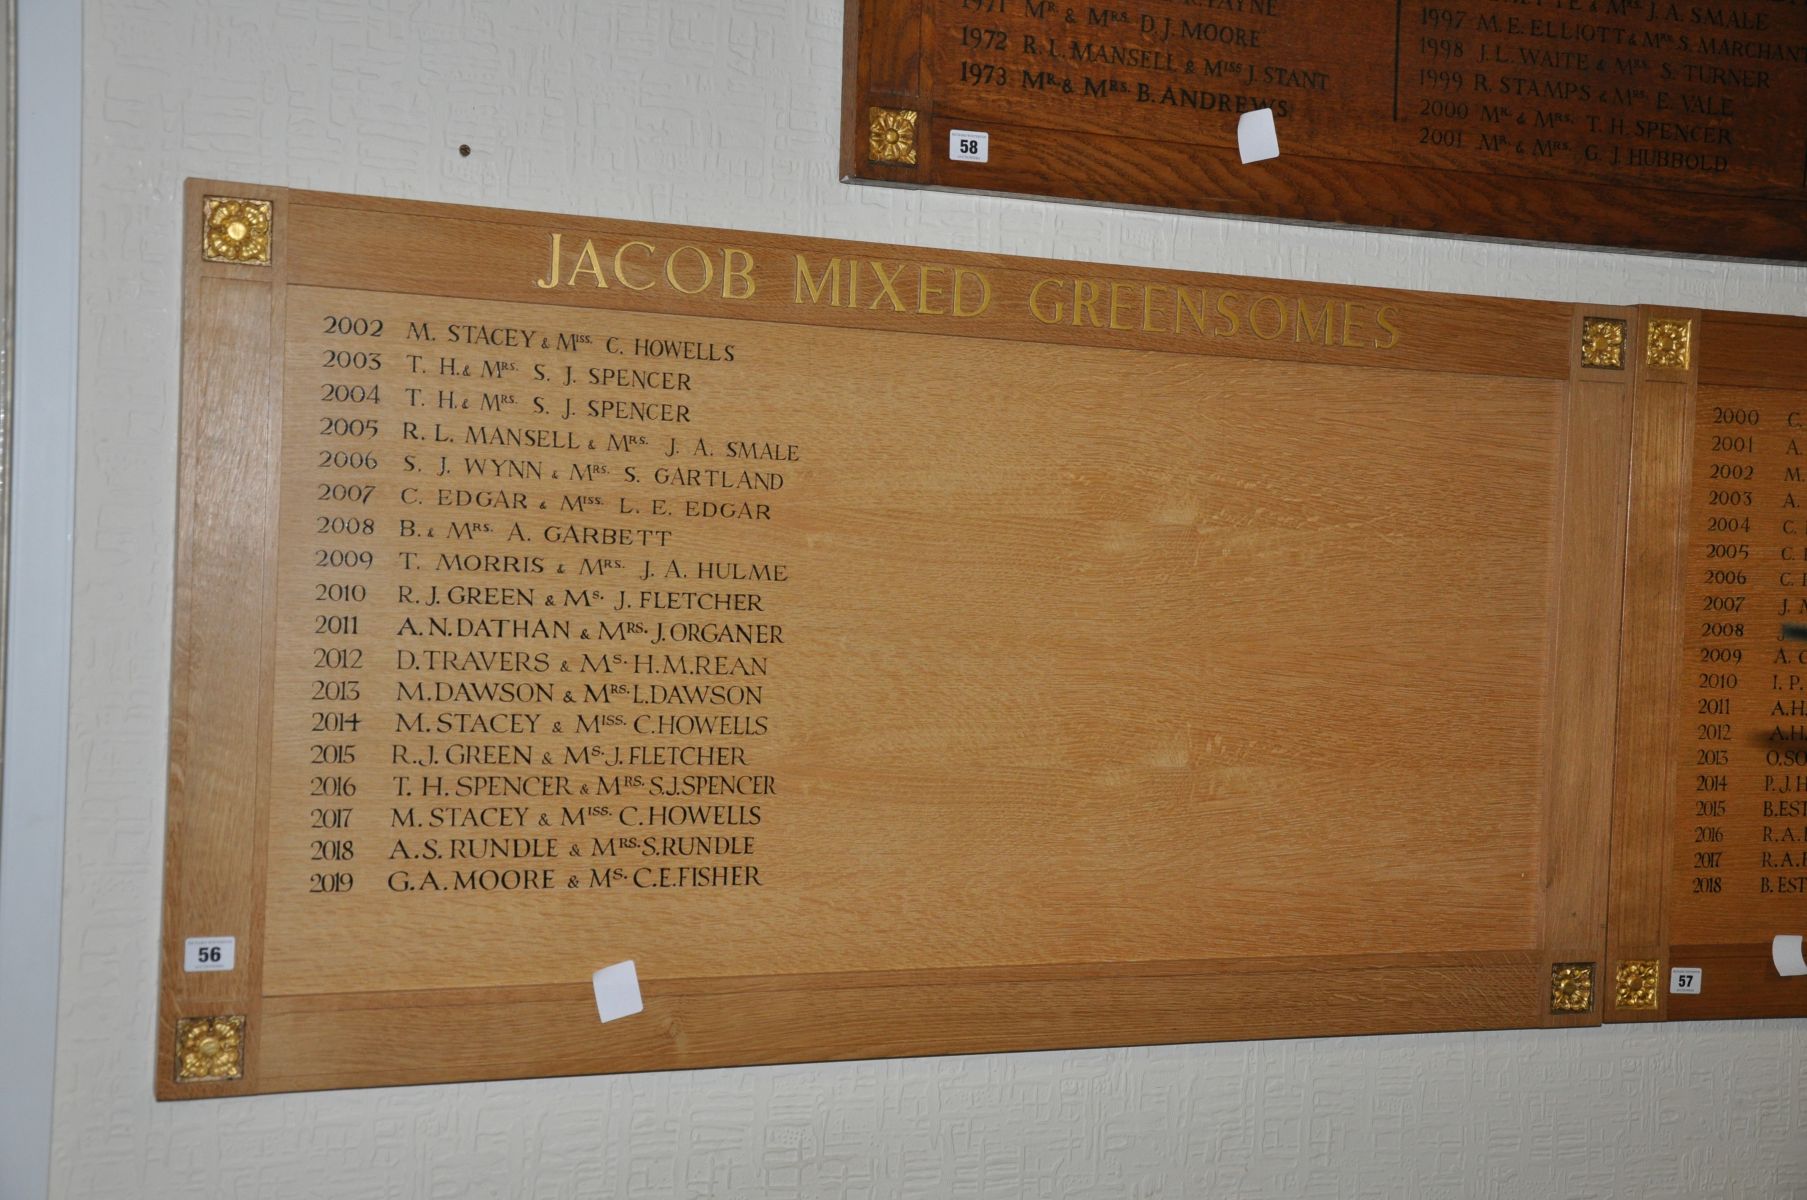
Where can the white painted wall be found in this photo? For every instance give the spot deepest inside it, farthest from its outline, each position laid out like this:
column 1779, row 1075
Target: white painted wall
column 41, row 437
column 724, row 114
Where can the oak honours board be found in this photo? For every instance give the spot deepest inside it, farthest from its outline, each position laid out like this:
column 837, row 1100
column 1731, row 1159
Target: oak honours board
column 1633, row 123
column 1710, row 836
column 888, row 651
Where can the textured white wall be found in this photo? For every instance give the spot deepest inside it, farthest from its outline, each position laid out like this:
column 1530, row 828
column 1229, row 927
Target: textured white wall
column 724, row 114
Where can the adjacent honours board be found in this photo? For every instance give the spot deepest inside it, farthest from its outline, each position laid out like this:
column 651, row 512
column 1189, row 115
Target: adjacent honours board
column 895, row 651
column 1632, row 123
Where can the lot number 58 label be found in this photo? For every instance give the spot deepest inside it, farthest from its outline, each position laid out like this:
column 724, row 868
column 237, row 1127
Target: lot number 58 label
column 968, row 145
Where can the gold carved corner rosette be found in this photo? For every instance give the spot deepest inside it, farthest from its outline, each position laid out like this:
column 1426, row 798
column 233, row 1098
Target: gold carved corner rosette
column 1603, row 343
column 1572, row 987
column 891, row 135
column 210, row 1049
column 1667, row 343
column 1634, row 984
column 236, row 231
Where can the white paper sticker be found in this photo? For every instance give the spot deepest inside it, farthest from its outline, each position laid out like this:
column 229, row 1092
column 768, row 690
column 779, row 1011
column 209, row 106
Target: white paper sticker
column 1785, row 951
column 209, row 954
column 1684, row 981
column 1255, row 136
column 617, row 991
column 968, row 145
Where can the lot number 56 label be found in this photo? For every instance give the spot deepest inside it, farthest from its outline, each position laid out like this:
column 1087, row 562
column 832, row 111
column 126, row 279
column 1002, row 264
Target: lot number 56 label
column 208, row 954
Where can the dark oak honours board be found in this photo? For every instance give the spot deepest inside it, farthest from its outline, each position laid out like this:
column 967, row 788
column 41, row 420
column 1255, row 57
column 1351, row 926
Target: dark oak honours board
column 896, row 651
column 1627, row 123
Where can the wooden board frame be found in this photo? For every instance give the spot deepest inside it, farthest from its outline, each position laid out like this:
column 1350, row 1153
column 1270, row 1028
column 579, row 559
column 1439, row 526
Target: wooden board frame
column 1082, row 143
column 222, row 701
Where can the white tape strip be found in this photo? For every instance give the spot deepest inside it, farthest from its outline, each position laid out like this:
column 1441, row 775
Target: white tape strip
column 1255, row 136
column 617, row 991
column 1786, row 950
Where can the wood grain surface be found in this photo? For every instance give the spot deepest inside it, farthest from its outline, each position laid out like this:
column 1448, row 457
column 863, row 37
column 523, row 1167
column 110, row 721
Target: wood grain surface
column 1645, row 774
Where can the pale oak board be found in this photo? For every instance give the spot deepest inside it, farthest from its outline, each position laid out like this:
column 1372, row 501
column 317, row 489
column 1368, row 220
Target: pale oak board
column 1150, row 675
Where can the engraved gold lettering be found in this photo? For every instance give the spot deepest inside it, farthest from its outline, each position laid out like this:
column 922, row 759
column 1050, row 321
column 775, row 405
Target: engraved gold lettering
column 1116, row 303
column 925, row 290
column 1224, row 301
column 737, row 265
column 830, row 282
column 1085, row 296
column 1279, row 317
column 621, row 276
column 551, row 280
column 887, row 284
column 1186, row 306
column 587, row 262
column 671, row 270
column 1305, row 330
column 1148, row 309
column 961, row 276
column 1128, row 306
column 1381, row 319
